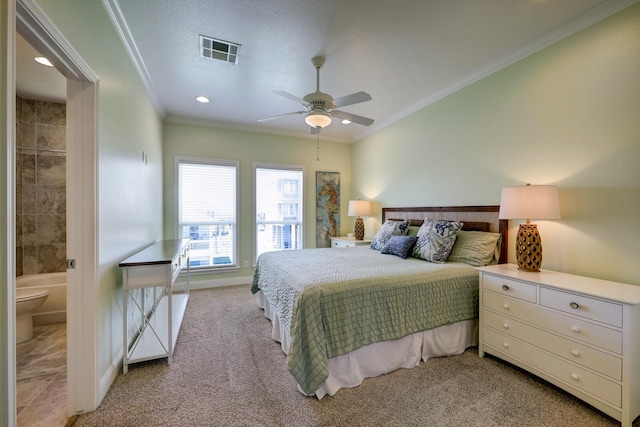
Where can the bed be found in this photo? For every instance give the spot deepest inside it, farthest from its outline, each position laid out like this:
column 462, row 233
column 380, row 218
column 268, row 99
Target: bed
column 345, row 314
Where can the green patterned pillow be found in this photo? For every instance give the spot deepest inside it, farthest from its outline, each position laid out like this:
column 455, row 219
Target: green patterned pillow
column 476, row 248
column 435, row 240
column 413, row 230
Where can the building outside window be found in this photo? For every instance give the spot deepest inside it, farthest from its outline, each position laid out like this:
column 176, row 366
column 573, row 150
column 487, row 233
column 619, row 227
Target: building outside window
column 279, row 207
column 207, row 211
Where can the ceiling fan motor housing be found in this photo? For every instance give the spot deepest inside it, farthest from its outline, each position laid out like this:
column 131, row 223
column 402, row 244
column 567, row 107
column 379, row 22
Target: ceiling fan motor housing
column 319, row 99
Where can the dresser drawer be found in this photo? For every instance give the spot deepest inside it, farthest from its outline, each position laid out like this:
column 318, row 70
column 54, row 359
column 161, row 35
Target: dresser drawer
column 565, row 372
column 559, row 323
column 513, row 288
column 579, row 305
column 570, row 350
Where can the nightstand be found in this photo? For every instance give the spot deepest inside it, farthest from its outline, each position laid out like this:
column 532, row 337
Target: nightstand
column 346, row 242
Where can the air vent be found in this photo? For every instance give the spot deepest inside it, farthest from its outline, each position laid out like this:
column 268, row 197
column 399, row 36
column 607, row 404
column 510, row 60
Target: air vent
column 219, row 49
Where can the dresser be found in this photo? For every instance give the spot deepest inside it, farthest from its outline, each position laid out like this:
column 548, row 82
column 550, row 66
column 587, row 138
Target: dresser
column 348, row 242
column 154, row 300
column 579, row 333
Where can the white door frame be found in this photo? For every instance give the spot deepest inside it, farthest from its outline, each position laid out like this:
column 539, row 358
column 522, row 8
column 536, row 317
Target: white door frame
column 82, row 207
column 7, row 215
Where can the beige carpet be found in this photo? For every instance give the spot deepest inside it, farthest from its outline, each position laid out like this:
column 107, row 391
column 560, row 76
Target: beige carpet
column 227, row 371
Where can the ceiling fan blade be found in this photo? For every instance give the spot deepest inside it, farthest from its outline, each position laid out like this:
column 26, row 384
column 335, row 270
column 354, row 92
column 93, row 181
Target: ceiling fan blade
column 352, row 117
column 291, row 97
column 314, row 131
column 354, row 98
column 266, row 119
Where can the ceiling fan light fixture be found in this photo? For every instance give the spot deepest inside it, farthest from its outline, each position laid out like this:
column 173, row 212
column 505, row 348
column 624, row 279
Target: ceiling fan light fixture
column 318, row 119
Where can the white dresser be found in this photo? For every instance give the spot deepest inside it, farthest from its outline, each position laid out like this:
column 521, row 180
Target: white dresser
column 579, row 333
column 348, row 242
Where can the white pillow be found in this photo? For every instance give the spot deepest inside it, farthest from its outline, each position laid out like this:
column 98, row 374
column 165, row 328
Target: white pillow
column 436, row 239
column 389, row 228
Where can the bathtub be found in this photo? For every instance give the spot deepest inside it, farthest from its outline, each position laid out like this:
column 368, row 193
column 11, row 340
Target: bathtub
column 54, row 310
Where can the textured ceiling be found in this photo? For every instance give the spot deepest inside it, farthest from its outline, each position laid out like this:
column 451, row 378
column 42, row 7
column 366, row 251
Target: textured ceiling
column 405, row 54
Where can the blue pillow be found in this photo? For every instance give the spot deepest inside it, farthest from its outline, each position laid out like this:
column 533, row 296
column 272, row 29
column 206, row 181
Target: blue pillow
column 399, row 246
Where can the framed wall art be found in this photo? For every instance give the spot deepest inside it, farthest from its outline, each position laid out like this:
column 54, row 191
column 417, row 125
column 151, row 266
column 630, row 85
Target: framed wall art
column 327, row 207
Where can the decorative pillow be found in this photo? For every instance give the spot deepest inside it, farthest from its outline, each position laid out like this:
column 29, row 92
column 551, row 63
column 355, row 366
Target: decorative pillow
column 476, row 248
column 435, row 240
column 399, row 246
column 388, row 229
column 413, row 230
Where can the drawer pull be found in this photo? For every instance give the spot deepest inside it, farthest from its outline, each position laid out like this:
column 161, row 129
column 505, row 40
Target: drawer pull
column 575, row 377
column 505, row 325
column 505, row 287
column 576, row 353
column 575, row 329
column 505, row 345
column 505, row 306
column 574, row 305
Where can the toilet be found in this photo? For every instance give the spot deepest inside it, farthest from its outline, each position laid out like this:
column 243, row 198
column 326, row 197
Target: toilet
column 27, row 300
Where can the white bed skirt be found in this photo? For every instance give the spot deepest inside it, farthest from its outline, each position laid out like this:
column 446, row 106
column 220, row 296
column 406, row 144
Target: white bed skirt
column 349, row 370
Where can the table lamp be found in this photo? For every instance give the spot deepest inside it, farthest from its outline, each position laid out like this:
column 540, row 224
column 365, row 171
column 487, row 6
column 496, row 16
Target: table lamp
column 359, row 208
column 529, row 202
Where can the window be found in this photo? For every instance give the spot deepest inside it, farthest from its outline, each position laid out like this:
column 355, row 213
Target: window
column 278, row 202
column 207, row 211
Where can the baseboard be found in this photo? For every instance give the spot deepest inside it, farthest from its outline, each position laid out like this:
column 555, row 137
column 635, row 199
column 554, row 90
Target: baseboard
column 218, row 283
column 49, row 317
column 109, row 377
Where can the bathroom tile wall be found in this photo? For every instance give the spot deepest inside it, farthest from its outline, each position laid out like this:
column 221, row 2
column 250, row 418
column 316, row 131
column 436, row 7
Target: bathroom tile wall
column 41, row 232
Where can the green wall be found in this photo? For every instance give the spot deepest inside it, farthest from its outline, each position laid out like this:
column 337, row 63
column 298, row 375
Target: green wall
column 568, row 115
column 250, row 147
column 129, row 190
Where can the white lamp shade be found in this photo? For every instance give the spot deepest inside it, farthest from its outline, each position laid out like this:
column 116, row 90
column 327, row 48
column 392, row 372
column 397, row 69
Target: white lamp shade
column 359, row 208
column 318, row 119
column 530, row 202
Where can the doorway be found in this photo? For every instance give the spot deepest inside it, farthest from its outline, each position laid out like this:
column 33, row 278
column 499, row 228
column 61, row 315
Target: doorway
column 41, row 249
column 82, row 295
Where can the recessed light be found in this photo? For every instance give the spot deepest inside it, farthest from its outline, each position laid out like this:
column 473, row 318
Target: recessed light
column 202, row 99
column 346, row 122
column 44, row 61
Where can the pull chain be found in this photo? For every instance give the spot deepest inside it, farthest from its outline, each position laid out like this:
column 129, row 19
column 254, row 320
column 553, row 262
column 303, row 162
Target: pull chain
column 317, row 147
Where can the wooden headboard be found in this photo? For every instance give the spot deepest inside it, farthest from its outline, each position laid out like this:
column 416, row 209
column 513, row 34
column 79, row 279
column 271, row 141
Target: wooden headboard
column 480, row 218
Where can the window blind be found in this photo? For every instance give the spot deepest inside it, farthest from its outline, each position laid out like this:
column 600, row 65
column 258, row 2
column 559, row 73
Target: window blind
column 207, row 211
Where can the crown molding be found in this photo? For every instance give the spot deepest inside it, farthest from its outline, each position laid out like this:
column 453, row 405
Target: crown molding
column 122, row 29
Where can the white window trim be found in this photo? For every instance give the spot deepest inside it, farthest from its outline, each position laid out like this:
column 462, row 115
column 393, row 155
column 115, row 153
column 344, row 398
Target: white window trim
column 260, row 165
column 204, row 161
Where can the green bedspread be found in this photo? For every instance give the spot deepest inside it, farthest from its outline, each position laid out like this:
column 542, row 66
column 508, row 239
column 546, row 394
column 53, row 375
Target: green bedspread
column 334, row 301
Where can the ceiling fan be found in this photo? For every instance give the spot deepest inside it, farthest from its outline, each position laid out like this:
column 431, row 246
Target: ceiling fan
column 321, row 107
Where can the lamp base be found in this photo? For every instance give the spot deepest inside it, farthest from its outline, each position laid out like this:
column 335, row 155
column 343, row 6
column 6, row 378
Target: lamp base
column 358, row 230
column 528, row 248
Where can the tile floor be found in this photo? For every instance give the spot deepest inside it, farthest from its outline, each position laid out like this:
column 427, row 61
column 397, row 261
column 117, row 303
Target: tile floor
column 42, row 377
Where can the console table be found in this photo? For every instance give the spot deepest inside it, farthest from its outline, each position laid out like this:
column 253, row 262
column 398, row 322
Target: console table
column 154, row 301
